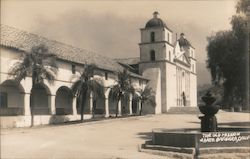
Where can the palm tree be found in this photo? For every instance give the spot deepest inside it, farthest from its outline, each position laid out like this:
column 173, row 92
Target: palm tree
column 40, row 64
column 145, row 95
column 86, row 85
column 123, row 87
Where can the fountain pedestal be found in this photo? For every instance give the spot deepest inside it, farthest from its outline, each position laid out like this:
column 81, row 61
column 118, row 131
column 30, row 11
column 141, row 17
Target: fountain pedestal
column 208, row 123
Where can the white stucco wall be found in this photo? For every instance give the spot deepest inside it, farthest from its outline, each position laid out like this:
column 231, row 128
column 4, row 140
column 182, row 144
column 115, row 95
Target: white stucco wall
column 146, row 34
column 160, row 51
column 193, row 90
column 168, row 36
column 171, row 94
column 155, row 83
column 162, row 66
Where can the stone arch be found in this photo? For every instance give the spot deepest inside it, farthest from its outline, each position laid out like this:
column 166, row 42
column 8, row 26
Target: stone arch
column 125, row 104
column 98, row 104
column 78, row 107
column 135, row 106
column 136, row 103
column 112, row 102
column 39, row 99
column 64, row 101
column 107, row 91
column 12, row 98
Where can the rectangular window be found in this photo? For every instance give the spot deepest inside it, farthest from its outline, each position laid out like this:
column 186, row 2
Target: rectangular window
column 3, row 100
column 106, row 76
column 73, row 69
column 152, row 36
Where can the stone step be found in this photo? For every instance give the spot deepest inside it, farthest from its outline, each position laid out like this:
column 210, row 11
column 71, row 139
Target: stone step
column 184, row 110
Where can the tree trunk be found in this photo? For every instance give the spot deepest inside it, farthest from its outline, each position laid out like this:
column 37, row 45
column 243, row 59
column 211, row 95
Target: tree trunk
column 116, row 112
column 31, row 103
column 94, row 108
column 81, row 104
column 141, row 108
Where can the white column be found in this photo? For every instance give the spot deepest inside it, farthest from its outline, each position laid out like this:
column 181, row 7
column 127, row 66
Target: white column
column 130, row 104
column 119, row 108
column 90, row 103
column 106, row 107
column 52, row 104
column 74, row 111
column 26, row 104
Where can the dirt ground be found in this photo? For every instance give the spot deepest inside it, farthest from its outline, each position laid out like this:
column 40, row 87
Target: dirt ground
column 111, row 138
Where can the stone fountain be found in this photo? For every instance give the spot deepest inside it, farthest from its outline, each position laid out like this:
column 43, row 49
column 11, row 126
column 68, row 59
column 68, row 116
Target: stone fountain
column 209, row 120
column 209, row 139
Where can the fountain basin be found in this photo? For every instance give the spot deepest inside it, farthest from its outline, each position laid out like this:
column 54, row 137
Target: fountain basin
column 192, row 138
column 209, row 110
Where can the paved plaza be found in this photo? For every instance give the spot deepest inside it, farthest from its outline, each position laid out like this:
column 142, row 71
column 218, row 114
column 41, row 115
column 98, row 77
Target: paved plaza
column 111, row 138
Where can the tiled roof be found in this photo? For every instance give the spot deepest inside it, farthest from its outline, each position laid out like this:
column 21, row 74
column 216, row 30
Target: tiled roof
column 22, row 40
column 129, row 61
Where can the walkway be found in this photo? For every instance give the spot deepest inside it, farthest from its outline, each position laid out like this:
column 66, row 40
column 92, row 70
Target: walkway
column 114, row 138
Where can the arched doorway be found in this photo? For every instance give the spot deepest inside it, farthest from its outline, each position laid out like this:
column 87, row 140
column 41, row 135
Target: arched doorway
column 135, row 106
column 125, row 104
column 64, row 99
column 39, row 100
column 112, row 104
column 99, row 104
column 12, row 98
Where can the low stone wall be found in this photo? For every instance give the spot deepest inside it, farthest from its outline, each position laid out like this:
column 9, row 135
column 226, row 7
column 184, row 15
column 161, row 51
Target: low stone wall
column 25, row 121
column 225, row 137
column 11, row 111
column 192, row 143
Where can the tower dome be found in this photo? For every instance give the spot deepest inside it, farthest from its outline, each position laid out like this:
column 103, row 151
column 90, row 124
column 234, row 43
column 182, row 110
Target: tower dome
column 155, row 21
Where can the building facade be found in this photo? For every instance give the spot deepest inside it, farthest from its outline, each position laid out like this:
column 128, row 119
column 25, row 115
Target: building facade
column 52, row 103
column 167, row 67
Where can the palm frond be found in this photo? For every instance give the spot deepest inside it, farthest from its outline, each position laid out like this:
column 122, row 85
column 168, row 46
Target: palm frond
column 115, row 92
column 147, row 95
column 87, row 83
column 76, row 87
column 21, row 69
column 96, row 88
column 39, row 63
column 49, row 74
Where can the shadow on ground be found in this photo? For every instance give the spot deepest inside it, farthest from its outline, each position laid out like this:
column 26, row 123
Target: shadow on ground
column 242, row 124
column 66, row 121
column 245, row 124
column 145, row 135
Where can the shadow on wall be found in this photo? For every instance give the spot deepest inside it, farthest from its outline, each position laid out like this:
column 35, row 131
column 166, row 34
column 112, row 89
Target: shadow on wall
column 56, row 119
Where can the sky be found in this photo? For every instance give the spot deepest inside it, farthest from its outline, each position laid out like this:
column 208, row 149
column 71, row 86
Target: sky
column 112, row 27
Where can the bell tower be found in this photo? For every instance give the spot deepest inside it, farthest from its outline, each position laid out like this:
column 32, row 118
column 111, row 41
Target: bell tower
column 156, row 42
column 156, row 52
